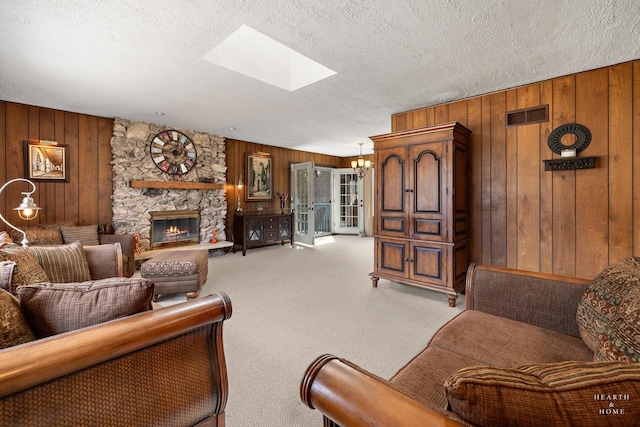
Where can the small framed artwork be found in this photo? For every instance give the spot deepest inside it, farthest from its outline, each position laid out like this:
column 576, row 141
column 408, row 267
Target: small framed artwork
column 46, row 162
column 259, row 185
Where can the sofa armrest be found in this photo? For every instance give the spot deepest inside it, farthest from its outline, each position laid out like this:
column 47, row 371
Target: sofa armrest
column 546, row 300
column 349, row 396
column 104, row 260
column 161, row 367
column 128, row 245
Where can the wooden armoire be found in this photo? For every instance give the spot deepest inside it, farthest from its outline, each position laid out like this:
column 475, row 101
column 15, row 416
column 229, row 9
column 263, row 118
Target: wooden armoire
column 421, row 219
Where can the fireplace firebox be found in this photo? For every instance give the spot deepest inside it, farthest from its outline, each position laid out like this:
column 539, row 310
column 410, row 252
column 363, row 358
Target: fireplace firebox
column 174, row 228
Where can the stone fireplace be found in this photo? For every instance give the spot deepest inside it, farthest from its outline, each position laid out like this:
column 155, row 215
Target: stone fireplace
column 132, row 206
column 174, row 228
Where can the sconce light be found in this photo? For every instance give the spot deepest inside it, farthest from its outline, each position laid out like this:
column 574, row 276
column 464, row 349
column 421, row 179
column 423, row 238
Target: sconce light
column 361, row 166
column 239, row 186
column 27, row 210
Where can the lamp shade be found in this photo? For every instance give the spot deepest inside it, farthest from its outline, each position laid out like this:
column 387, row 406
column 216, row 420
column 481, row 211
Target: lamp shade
column 28, row 209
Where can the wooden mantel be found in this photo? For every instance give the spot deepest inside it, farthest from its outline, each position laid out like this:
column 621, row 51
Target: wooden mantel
column 177, row 185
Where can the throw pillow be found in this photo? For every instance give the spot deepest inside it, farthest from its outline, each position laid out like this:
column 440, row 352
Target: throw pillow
column 6, row 271
column 14, row 329
column 5, row 238
column 63, row 263
column 53, row 309
column 565, row 393
column 39, row 236
column 85, row 234
column 622, row 342
column 600, row 300
column 26, row 271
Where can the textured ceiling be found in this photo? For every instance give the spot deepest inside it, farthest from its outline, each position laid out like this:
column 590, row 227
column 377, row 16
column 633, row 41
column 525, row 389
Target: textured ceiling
column 130, row 59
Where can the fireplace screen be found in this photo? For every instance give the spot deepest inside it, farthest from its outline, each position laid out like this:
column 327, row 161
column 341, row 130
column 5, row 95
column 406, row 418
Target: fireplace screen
column 172, row 228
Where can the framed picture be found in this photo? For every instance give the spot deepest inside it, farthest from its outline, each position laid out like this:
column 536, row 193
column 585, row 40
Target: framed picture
column 46, row 162
column 259, row 185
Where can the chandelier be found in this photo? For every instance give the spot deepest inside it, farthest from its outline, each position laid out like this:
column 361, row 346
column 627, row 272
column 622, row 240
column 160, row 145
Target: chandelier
column 361, row 166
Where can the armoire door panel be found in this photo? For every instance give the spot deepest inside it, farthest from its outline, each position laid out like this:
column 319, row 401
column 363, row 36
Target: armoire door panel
column 392, row 174
column 393, row 225
column 427, row 227
column 427, row 183
column 393, row 257
column 429, row 263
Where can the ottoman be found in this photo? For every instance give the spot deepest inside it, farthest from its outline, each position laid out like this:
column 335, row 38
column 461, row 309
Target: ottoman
column 175, row 272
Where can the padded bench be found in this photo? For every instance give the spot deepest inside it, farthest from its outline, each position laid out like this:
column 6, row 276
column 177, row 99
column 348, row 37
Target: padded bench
column 175, row 272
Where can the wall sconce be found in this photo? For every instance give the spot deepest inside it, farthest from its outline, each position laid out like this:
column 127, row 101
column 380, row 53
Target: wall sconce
column 27, row 210
column 239, row 186
column 361, row 166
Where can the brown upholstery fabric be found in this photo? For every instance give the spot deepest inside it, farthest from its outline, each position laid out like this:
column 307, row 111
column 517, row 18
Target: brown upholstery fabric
column 538, row 301
column 423, row 378
column 104, row 260
column 496, row 341
column 26, row 271
column 175, row 263
column 600, row 300
column 85, row 234
column 63, row 263
column 622, row 341
column 56, row 308
column 169, row 384
column 6, row 272
column 562, row 394
column 14, row 329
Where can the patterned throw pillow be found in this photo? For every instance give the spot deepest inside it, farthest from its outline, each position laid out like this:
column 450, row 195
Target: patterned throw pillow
column 39, row 236
column 63, row 263
column 6, row 272
column 14, row 329
column 553, row 394
column 26, row 271
column 600, row 300
column 622, row 342
column 56, row 308
column 85, row 234
column 5, row 238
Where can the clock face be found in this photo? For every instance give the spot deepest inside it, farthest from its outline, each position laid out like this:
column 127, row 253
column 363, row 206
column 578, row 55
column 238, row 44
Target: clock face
column 173, row 152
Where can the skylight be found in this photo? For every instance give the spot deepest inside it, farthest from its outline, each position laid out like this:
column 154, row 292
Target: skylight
column 249, row 52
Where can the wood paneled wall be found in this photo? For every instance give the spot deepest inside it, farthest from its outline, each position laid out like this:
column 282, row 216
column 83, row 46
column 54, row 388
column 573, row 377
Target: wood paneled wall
column 565, row 222
column 86, row 198
column 236, row 151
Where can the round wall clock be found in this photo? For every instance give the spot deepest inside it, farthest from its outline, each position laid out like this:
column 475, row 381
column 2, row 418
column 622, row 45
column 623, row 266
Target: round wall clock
column 173, row 152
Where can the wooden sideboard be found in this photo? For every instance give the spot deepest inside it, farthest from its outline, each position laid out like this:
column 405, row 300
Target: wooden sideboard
column 253, row 229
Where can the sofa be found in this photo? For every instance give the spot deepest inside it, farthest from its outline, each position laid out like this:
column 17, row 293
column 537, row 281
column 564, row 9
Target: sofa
column 66, row 232
column 530, row 349
column 164, row 367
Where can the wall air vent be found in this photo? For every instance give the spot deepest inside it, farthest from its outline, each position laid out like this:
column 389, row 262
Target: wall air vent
column 527, row 116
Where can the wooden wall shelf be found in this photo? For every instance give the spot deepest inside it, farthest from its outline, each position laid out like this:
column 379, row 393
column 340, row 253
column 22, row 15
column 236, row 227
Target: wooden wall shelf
column 570, row 163
column 176, row 185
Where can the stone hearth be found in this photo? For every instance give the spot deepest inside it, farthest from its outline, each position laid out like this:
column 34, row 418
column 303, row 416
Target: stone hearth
column 131, row 162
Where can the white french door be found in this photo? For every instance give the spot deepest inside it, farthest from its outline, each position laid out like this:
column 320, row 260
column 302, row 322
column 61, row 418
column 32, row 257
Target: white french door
column 347, row 202
column 302, row 193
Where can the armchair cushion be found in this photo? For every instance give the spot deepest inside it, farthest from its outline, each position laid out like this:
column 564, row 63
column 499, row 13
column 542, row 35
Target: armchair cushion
column 52, row 309
column 565, row 393
column 26, row 270
column 86, row 234
column 14, row 329
column 63, row 263
column 601, row 299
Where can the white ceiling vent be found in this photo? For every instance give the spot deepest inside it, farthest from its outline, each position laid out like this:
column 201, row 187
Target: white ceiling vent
column 249, row 52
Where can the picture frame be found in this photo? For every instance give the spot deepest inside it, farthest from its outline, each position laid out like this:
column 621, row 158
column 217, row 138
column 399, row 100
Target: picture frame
column 46, row 162
column 259, row 177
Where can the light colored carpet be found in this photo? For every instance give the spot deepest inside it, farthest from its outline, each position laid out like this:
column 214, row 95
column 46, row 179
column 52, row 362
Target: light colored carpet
column 292, row 304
